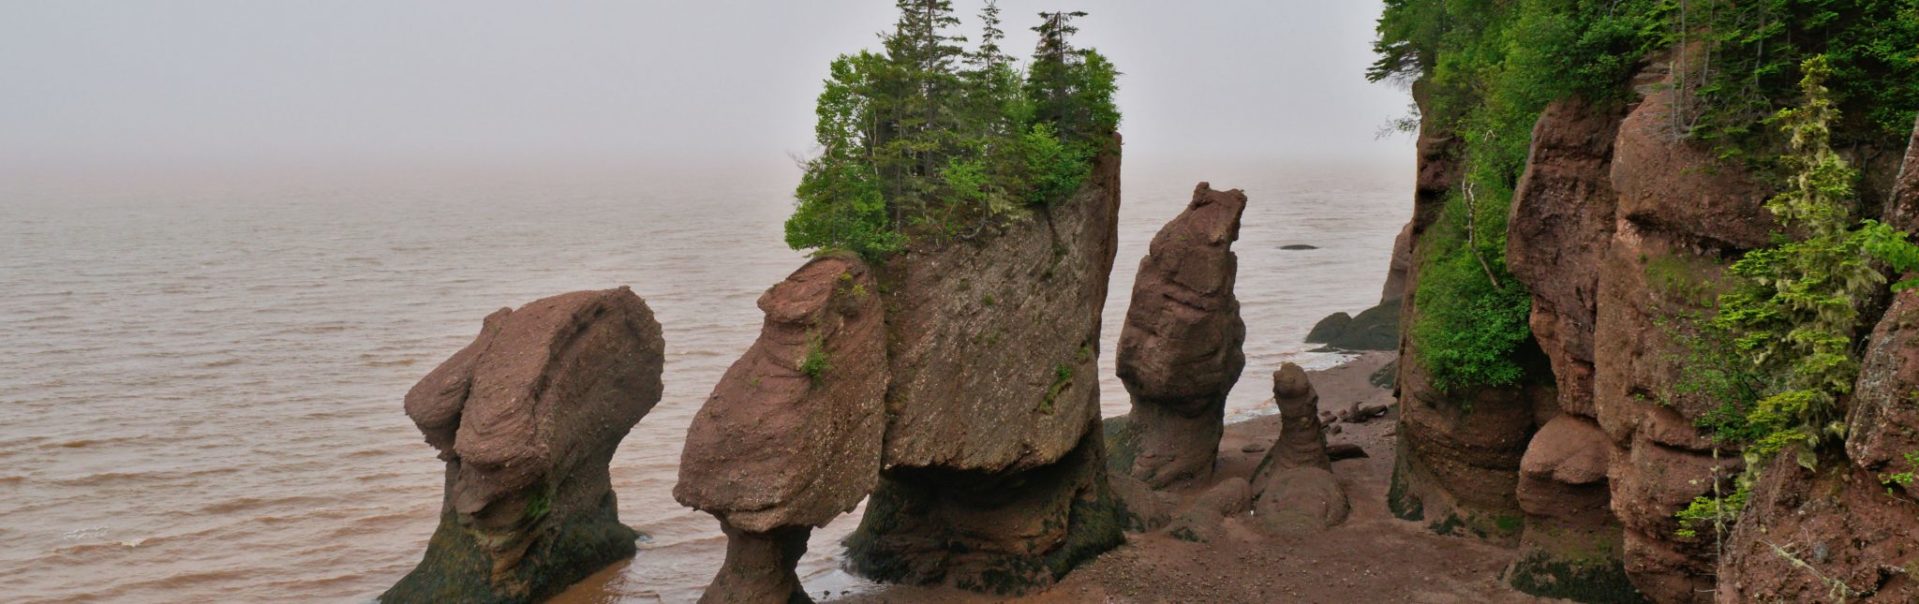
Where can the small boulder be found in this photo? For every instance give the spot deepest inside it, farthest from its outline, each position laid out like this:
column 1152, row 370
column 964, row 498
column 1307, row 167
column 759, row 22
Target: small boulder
column 1301, row 499
column 1344, row 451
column 1202, row 521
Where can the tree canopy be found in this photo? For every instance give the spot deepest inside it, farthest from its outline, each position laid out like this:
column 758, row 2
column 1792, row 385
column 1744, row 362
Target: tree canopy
column 931, row 138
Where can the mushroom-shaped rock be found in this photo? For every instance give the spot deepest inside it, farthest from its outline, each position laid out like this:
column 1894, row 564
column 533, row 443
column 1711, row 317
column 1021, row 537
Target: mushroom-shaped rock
column 791, row 436
column 527, row 418
column 994, row 471
column 1179, row 353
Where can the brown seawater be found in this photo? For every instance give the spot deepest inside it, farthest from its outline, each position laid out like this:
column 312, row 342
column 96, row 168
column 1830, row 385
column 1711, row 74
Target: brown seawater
column 200, row 396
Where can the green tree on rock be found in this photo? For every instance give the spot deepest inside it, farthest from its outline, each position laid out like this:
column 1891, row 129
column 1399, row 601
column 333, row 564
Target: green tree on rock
column 930, row 141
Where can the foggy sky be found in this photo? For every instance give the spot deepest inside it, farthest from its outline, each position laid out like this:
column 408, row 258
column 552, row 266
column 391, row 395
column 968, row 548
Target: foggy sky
column 99, row 83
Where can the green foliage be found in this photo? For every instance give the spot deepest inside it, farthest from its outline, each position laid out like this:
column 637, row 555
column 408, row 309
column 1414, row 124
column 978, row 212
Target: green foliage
column 1062, row 379
column 1486, row 69
column 928, row 139
column 1716, row 513
column 1054, row 169
column 1906, row 478
column 1469, row 328
column 1752, row 55
column 1796, row 312
column 1744, row 65
column 814, row 363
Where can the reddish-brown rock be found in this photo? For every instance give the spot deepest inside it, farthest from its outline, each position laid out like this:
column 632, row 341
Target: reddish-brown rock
column 994, row 469
column 1680, row 214
column 791, row 436
column 527, row 418
column 1458, row 452
column 1294, row 485
column 1883, row 422
column 759, row 567
column 1560, row 230
column 1561, row 225
column 1179, row 353
column 1302, row 439
column 1301, row 500
column 1826, row 535
column 1395, row 288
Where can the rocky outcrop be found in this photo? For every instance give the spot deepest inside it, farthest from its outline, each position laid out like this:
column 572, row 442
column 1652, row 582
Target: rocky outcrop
column 1680, row 213
column 791, row 436
column 1562, row 223
column 1302, row 438
column 1458, row 452
column 1571, row 546
column 993, row 463
column 1295, row 487
column 1847, row 528
column 1204, row 519
column 1375, row 328
column 1561, row 226
column 1402, row 264
column 527, row 418
column 1883, row 422
column 1179, row 353
column 1826, row 535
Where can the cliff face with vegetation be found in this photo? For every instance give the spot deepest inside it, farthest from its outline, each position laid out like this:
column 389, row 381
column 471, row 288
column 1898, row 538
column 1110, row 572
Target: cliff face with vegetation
column 1679, row 343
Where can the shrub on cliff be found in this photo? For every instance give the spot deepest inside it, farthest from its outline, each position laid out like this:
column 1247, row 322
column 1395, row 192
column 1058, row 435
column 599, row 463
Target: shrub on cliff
column 1489, row 67
column 1795, row 314
column 929, row 139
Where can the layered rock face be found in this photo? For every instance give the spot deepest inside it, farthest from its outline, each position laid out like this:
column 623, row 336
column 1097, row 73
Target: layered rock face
column 1848, row 530
column 1458, row 452
column 791, row 436
column 1295, row 490
column 1562, row 223
column 1680, row 214
column 1179, row 353
column 993, row 464
column 527, row 418
column 1826, row 535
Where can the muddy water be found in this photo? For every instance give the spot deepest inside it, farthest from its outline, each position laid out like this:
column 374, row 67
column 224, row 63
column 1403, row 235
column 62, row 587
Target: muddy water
column 199, row 395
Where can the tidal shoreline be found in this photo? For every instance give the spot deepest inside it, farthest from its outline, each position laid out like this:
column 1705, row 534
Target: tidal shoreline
column 1372, row 557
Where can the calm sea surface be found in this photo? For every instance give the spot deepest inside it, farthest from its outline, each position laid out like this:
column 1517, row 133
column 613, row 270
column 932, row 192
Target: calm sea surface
column 200, row 388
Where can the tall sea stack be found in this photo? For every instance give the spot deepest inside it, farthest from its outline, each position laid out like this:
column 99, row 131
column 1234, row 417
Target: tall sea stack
column 993, row 473
column 790, row 438
column 527, row 418
column 1180, row 351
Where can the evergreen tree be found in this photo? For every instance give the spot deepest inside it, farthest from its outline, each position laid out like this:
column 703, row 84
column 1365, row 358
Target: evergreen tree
column 1050, row 84
column 928, row 139
column 924, row 121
